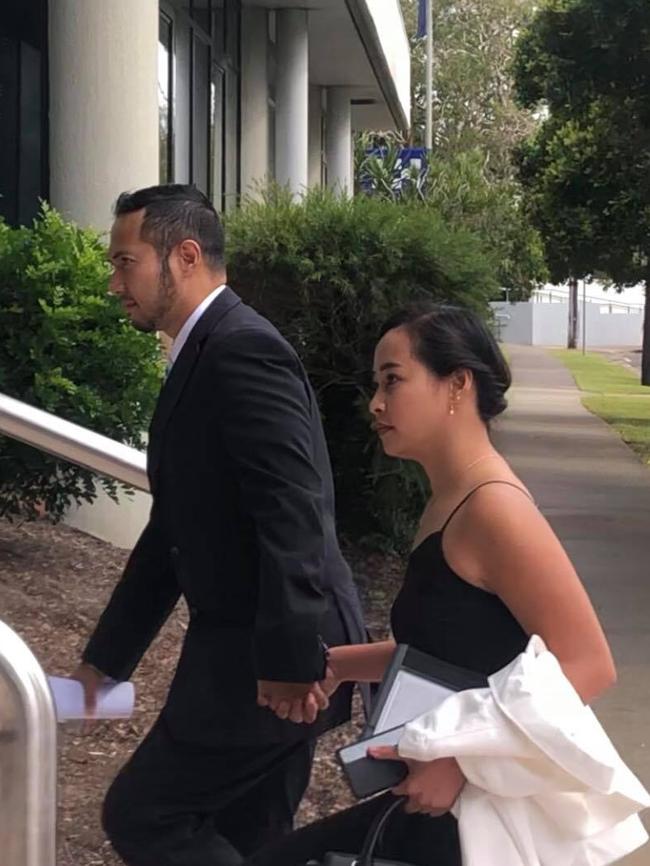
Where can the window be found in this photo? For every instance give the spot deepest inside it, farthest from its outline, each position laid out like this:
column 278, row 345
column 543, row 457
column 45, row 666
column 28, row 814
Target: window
column 219, row 28
column 231, row 124
column 201, row 13
column 216, row 136
column 231, row 119
column 271, row 75
column 23, row 109
column 165, row 97
column 206, row 102
column 201, row 133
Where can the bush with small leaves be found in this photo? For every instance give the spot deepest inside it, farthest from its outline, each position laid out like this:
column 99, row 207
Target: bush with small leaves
column 66, row 348
column 328, row 271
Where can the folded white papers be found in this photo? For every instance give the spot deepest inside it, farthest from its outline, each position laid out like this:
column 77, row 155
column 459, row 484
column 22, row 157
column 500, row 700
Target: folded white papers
column 114, row 700
column 410, row 696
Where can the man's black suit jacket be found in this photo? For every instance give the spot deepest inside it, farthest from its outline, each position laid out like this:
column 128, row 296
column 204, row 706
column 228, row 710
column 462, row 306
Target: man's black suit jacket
column 242, row 525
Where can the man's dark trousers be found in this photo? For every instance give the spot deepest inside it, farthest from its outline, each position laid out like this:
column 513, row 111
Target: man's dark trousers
column 172, row 805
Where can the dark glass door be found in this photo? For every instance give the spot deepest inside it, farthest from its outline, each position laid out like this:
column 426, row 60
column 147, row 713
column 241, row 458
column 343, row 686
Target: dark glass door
column 23, row 109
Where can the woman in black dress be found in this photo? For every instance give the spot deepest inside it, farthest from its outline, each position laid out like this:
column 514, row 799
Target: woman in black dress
column 485, row 572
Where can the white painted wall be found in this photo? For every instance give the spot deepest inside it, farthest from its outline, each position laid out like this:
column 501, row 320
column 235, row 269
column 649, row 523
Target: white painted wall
column 120, row 524
column 619, row 329
column 292, row 100
column 254, row 100
column 315, row 136
column 388, row 20
column 103, row 104
column 547, row 325
column 103, row 140
column 518, row 327
column 550, row 324
column 340, row 172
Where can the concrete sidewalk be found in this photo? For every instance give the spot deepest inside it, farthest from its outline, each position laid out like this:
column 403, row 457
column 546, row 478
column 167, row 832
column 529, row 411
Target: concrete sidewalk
column 596, row 494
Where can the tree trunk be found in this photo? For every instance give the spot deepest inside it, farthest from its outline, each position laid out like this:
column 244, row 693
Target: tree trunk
column 572, row 340
column 645, row 361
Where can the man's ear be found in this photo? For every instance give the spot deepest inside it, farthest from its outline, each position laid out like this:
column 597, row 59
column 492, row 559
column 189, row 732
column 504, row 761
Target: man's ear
column 189, row 255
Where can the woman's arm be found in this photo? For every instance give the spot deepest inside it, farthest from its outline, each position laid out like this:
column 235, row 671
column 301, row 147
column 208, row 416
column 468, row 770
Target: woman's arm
column 501, row 542
column 361, row 663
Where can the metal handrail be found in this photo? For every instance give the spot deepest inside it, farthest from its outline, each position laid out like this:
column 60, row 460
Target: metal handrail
column 27, row 757
column 27, row 718
column 72, row 442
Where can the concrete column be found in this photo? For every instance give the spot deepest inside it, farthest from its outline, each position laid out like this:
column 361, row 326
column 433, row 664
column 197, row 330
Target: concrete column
column 340, row 174
column 315, row 136
column 103, row 104
column 254, row 101
column 292, row 100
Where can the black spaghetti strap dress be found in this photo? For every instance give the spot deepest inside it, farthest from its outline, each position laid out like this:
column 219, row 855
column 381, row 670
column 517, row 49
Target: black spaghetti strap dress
column 440, row 614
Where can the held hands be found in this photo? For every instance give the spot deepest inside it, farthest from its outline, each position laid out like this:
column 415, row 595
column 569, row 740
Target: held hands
column 331, row 682
column 298, row 702
column 432, row 787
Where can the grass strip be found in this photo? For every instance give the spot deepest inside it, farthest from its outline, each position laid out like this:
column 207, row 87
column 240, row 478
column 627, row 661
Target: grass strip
column 615, row 394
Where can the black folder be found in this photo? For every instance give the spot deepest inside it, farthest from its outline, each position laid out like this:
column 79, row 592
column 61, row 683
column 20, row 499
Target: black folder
column 413, row 684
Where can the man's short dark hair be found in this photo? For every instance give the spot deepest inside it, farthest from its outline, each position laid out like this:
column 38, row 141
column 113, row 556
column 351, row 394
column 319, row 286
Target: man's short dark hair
column 173, row 213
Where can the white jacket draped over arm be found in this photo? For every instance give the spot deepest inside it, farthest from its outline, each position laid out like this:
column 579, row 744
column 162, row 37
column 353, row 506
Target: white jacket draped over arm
column 545, row 786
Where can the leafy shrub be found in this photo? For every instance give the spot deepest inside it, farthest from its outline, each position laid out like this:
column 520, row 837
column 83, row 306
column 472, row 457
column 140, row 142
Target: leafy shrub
column 328, row 271
column 463, row 189
column 66, row 348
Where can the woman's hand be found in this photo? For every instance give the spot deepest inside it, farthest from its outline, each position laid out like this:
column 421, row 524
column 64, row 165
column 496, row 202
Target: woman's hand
column 432, row 787
column 302, row 703
column 298, row 702
column 331, row 682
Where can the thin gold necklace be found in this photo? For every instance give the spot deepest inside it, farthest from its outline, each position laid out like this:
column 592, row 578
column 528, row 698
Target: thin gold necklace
column 479, row 460
column 462, row 474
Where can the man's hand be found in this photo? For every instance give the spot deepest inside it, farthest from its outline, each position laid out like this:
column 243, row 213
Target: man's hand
column 91, row 679
column 298, row 702
column 432, row 787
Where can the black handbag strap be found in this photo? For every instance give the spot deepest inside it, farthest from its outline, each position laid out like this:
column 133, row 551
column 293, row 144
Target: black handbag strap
column 375, row 831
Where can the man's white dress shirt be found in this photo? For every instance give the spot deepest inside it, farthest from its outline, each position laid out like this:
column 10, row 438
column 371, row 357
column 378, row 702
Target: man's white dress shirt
column 188, row 325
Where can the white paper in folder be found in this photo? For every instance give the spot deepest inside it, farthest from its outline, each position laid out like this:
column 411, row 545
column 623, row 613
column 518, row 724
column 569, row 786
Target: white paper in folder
column 114, row 700
column 410, row 696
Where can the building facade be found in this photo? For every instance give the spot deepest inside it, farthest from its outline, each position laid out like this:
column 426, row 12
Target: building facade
column 101, row 96
column 98, row 96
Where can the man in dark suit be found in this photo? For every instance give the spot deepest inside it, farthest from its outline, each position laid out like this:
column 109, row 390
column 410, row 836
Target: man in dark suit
column 242, row 525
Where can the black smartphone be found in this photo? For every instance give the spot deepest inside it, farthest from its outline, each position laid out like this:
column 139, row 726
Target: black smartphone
column 367, row 776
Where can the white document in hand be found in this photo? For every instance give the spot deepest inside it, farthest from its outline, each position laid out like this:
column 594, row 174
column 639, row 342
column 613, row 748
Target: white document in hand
column 410, row 696
column 114, row 700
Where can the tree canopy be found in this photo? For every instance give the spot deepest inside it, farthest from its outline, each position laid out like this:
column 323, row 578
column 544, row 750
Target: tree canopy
column 585, row 65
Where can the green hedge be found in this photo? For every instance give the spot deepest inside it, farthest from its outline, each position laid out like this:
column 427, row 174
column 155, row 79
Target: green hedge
column 66, row 348
column 328, row 271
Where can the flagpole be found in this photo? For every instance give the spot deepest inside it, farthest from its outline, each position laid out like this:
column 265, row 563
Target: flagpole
column 429, row 76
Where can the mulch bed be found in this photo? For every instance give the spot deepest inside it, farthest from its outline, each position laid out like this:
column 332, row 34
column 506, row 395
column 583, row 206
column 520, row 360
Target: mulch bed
column 54, row 582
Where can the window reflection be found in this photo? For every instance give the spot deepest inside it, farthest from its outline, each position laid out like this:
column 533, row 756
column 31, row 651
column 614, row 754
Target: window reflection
column 165, row 68
column 201, row 114
column 200, row 44
column 201, row 13
column 216, row 137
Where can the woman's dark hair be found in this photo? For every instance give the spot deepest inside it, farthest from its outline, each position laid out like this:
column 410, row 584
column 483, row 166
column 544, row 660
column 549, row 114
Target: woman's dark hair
column 447, row 339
